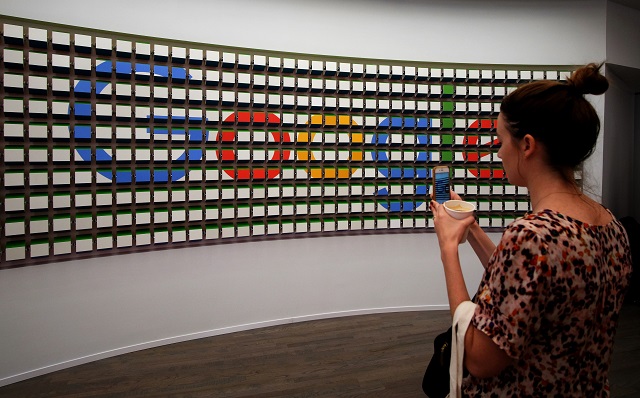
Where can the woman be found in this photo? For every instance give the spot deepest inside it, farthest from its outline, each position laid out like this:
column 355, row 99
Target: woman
column 548, row 303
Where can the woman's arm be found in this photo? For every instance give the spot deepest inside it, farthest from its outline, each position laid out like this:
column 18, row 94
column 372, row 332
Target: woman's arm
column 478, row 239
column 482, row 245
column 483, row 358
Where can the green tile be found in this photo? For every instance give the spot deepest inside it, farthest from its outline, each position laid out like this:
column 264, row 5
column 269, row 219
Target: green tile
column 448, row 89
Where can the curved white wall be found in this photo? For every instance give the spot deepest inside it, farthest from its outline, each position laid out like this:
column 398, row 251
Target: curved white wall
column 62, row 314
column 493, row 31
column 58, row 315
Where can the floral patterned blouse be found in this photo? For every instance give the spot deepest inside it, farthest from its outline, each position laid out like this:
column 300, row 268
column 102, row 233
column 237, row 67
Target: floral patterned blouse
column 550, row 298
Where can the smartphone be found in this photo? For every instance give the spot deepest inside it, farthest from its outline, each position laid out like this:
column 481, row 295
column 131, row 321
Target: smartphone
column 441, row 183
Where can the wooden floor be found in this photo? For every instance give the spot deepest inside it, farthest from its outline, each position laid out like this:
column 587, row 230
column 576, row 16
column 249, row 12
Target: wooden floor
column 380, row 355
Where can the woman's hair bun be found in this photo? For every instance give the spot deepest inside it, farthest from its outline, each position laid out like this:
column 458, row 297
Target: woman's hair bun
column 588, row 80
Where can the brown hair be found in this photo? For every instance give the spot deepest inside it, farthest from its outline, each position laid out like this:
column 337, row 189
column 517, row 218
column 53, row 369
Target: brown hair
column 557, row 115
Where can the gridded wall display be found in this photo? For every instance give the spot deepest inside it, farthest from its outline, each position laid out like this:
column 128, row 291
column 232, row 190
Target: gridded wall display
column 114, row 143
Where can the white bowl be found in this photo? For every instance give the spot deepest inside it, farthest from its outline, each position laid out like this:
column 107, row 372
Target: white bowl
column 459, row 209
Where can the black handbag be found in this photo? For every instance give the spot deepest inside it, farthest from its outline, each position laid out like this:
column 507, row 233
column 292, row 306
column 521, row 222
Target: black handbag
column 435, row 382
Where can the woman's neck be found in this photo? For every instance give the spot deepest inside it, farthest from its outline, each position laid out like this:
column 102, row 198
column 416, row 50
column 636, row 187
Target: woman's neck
column 562, row 195
column 549, row 189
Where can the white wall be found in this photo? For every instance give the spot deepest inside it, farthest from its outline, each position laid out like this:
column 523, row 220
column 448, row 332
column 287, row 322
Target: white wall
column 621, row 166
column 623, row 30
column 619, row 151
column 493, row 31
column 62, row 314
column 58, row 315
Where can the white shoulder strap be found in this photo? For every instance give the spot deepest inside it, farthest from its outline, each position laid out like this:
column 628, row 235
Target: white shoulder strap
column 461, row 320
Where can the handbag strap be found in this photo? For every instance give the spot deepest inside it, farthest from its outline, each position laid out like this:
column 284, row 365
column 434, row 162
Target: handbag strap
column 461, row 320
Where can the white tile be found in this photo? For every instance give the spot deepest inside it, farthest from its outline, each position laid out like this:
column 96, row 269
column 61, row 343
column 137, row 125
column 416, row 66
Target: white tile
column 41, row 178
column 61, row 224
column 14, row 81
column 212, row 57
column 57, row 38
column 14, row 228
column 196, row 54
column 143, row 50
column 14, row 56
column 103, row 43
column 40, row 250
column 38, row 107
column 14, row 31
column 84, row 245
column 124, row 241
column 244, row 60
column 289, row 64
column 143, row 239
column 259, row 62
column 228, row 59
column 274, row 63
column 161, row 51
column 331, row 67
column 161, row 236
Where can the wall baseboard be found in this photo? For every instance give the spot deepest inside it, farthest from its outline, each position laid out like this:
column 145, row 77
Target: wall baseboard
column 208, row 333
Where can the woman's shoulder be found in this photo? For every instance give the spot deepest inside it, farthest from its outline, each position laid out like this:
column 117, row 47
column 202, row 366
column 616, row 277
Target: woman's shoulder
column 550, row 223
column 549, row 218
column 528, row 231
column 536, row 222
column 538, row 227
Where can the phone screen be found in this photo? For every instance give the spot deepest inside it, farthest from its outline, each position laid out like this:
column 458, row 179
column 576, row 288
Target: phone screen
column 442, row 186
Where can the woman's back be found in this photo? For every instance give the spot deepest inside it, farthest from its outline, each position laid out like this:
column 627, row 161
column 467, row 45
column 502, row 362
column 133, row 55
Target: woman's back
column 551, row 298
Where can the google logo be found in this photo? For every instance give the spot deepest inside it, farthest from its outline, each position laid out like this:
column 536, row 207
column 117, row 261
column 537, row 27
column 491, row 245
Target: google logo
column 294, row 147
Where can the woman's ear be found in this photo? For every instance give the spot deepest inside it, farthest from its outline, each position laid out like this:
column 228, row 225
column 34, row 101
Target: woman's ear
column 528, row 145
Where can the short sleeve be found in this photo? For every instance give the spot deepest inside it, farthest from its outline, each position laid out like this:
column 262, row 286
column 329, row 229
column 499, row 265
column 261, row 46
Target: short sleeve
column 510, row 298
